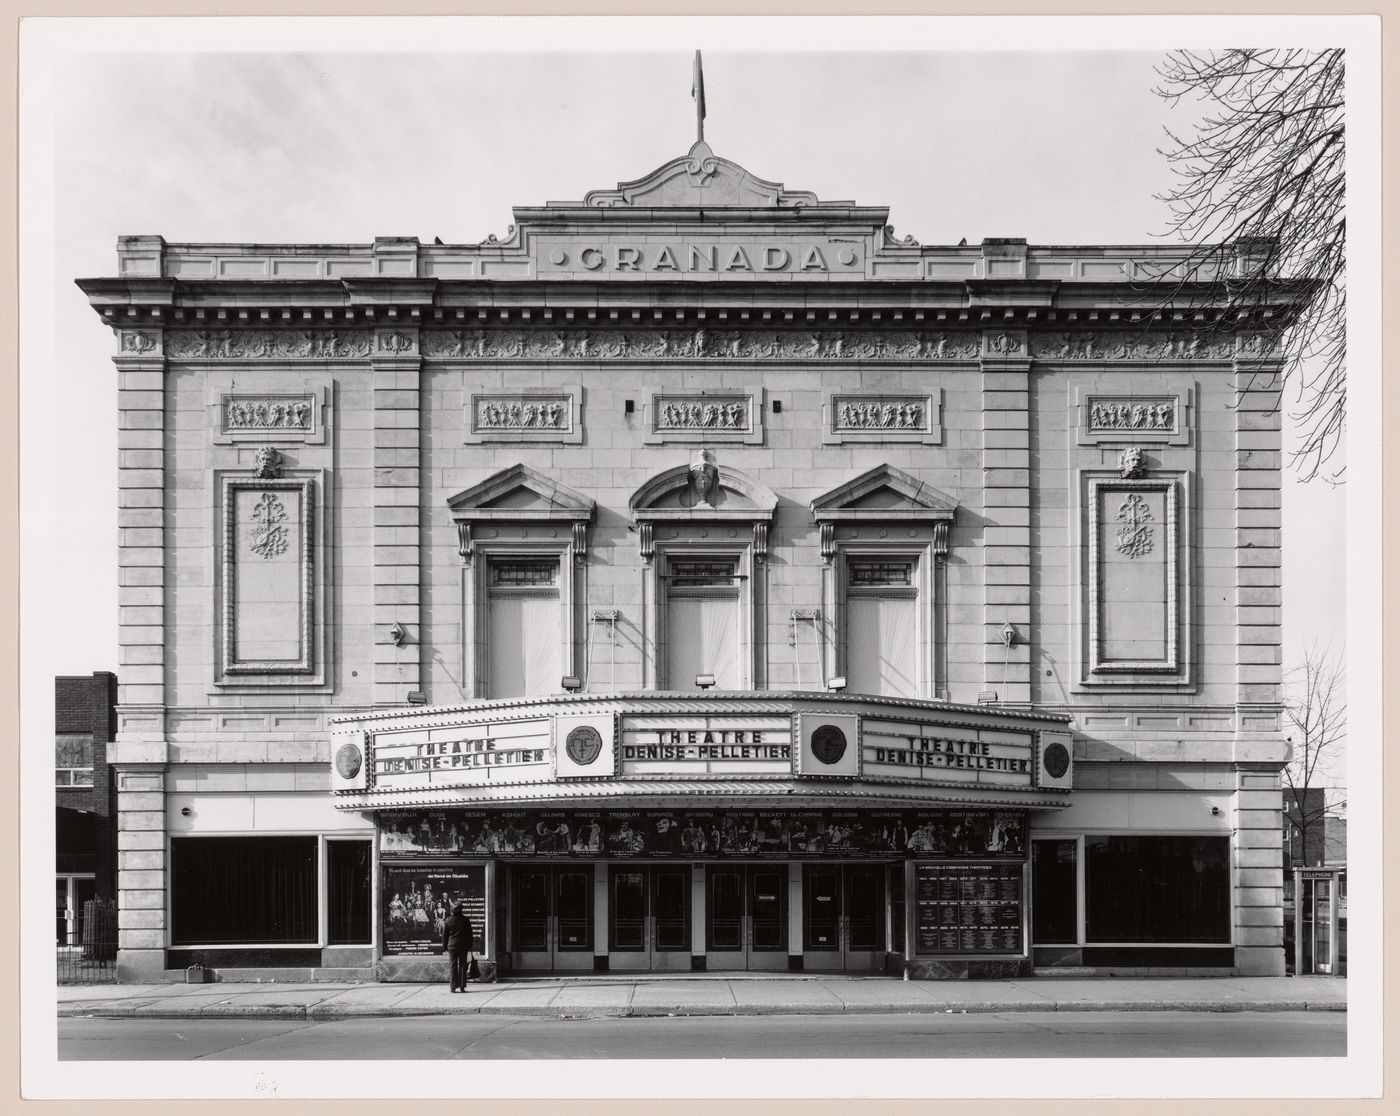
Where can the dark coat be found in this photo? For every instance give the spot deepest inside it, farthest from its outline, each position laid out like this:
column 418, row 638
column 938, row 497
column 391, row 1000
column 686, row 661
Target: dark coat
column 458, row 934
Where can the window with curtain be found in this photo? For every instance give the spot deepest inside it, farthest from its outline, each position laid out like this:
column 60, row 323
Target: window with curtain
column 702, row 622
column 882, row 647
column 242, row 890
column 523, row 638
column 1157, row 889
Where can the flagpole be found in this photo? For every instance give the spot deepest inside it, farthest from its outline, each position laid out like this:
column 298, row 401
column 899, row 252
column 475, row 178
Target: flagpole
column 697, row 90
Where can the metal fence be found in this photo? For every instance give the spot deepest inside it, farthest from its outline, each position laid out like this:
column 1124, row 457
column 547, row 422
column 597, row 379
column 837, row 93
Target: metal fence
column 88, row 953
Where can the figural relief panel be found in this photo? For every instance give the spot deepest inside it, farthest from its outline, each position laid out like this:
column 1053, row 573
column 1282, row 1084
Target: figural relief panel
column 1149, row 417
column 697, row 343
column 273, row 418
column 703, row 416
column 882, row 417
column 524, row 415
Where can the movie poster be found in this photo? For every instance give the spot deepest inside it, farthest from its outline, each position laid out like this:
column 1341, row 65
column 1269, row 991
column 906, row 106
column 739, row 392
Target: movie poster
column 417, row 901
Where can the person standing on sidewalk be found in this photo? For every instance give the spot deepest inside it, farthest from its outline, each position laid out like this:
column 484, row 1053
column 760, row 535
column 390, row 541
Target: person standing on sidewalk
column 458, row 934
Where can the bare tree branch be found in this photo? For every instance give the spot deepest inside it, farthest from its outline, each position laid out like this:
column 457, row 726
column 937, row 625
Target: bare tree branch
column 1316, row 713
column 1263, row 175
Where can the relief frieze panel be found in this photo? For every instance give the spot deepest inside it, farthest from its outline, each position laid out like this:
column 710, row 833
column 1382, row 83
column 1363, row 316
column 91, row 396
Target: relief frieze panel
column 1099, row 346
column 704, row 416
column 524, row 415
column 273, row 417
column 700, row 343
column 1159, row 417
column 263, row 344
column 882, row 417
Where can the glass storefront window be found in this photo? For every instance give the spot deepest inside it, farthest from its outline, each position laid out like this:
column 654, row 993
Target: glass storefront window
column 243, row 890
column 1055, row 920
column 1157, row 889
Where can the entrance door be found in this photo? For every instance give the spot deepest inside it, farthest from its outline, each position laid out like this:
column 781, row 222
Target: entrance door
column 746, row 916
column 552, row 917
column 843, row 916
column 648, row 917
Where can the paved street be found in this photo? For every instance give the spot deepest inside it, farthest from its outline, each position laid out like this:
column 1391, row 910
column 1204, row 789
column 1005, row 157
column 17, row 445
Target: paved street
column 978, row 1035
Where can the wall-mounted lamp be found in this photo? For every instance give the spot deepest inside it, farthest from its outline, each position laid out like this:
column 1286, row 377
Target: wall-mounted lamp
column 704, row 681
column 777, row 406
column 571, row 683
column 397, row 634
column 986, row 697
column 417, row 697
column 838, row 683
column 628, row 406
column 1008, row 634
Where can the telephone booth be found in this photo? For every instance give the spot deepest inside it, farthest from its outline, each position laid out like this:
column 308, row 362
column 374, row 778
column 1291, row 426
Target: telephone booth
column 1319, row 924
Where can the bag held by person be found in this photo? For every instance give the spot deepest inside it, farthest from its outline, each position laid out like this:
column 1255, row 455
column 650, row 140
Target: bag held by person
column 473, row 970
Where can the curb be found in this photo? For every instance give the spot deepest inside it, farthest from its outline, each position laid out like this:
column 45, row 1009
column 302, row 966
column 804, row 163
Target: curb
column 316, row 1014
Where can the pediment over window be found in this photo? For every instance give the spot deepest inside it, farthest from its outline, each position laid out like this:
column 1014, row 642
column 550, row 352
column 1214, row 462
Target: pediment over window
column 520, row 493
column 883, row 493
column 703, row 490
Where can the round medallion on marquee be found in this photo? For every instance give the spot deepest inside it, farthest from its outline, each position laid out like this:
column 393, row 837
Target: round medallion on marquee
column 347, row 761
column 828, row 744
column 583, row 745
column 1056, row 760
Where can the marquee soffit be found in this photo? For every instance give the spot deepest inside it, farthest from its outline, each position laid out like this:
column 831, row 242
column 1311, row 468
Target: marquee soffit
column 520, row 493
column 884, row 493
column 670, row 495
column 700, row 178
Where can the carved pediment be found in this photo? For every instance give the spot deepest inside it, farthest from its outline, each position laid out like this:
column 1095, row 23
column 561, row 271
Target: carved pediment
column 704, row 490
column 520, row 493
column 700, row 178
column 883, row 492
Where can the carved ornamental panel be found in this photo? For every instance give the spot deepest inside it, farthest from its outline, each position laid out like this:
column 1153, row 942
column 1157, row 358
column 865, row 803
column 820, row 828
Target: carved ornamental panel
column 704, row 416
column 524, row 415
column 1149, row 417
column 268, row 581
column 882, row 417
column 698, row 343
column 269, row 418
column 1138, row 582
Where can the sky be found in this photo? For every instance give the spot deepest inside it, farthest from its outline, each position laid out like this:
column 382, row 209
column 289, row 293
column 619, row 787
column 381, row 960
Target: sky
column 1057, row 147
column 308, row 131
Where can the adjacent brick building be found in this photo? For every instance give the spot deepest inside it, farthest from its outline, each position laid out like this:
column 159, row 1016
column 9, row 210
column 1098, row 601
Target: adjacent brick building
column 85, row 722
column 699, row 576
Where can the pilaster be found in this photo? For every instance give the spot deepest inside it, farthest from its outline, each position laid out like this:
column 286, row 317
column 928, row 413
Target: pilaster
column 397, row 591
column 1258, row 878
column 142, row 933
column 1006, row 536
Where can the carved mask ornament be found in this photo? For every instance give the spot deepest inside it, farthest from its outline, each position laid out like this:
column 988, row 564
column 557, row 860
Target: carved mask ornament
column 268, row 464
column 704, row 479
column 1132, row 463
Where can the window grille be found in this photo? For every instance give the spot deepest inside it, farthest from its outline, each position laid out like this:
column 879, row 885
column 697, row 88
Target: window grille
column 863, row 574
column 707, row 573
column 525, row 573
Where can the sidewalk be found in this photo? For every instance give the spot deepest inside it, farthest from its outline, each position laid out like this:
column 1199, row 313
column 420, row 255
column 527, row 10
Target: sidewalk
column 603, row 996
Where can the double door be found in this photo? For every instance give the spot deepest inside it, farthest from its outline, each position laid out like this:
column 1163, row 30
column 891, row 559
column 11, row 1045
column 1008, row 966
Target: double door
column 649, row 912
column 551, row 924
column 843, row 916
column 746, row 916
